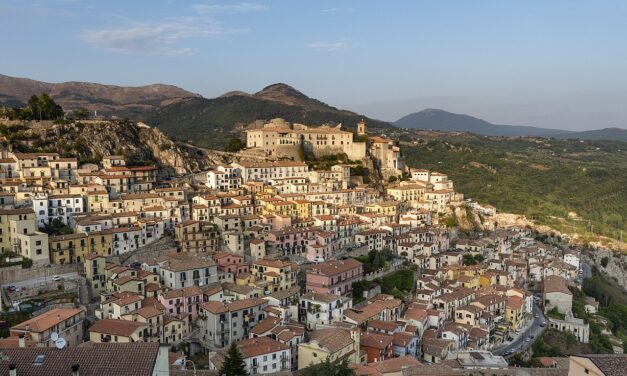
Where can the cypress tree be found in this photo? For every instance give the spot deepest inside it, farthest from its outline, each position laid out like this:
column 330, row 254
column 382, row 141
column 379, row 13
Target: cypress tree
column 233, row 363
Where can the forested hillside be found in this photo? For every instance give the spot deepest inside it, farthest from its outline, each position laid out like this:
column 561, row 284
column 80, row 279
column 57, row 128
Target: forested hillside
column 569, row 185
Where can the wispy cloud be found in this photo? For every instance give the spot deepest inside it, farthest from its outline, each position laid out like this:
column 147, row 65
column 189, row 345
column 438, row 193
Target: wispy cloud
column 336, row 10
column 329, row 46
column 228, row 8
column 163, row 38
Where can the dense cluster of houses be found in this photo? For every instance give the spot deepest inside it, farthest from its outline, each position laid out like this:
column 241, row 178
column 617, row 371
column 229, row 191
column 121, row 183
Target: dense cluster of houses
column 262, row 259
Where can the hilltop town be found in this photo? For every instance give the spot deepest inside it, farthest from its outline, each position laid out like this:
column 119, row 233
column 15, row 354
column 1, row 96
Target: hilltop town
column 308, row 244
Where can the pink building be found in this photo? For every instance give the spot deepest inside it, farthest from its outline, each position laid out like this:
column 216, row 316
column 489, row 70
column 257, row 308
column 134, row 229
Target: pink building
column 293, row 240
column 321, row 248
column 228, row 262
column 334, row 276
column 183, row 300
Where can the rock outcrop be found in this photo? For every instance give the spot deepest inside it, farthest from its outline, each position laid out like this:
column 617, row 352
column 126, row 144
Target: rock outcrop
column 92, row 140
column 616, row 266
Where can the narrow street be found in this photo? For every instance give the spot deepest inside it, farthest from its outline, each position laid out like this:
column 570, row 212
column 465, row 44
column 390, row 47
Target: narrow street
column 519, row 343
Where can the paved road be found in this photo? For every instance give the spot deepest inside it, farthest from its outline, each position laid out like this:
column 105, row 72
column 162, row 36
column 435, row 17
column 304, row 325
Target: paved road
column 43, row 280
column 534, row 329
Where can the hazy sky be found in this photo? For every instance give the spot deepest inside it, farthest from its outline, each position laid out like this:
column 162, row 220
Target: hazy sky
column 559, row 64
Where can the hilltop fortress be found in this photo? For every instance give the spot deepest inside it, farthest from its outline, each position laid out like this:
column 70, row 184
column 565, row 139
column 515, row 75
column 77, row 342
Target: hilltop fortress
column 279, row 138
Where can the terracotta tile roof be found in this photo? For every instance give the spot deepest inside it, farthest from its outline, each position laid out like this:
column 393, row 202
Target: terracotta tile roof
column 215, row 307
column 121, row 359
column 402, row 338
column 375, row 340
column 610, row 365
column 287, row 293
column 387, row 326
column 556, row 283
column 334, row 267
column 265, row 325
column 183, row 292
column 129, row 299
column 272, row 263
column 333, row 339
column 395, row 364
column 237, row 305
column 116, row 327
column 48, row 319
column 153, row 302
column 252, row 347
column 147, row 312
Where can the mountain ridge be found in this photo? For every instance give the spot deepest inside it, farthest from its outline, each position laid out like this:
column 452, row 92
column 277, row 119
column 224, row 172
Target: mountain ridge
column 441, row 120
column 110, row 100
column 212, row 122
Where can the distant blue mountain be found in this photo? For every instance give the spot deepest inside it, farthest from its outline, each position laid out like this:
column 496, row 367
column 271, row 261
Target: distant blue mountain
column 449, row 122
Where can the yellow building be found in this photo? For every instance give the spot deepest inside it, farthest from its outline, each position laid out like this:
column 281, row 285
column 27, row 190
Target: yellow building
column 468, row 314
column 411, row 193
column 387, row 208
column 333, row 343
column 488, row 279
column 94, row 268
column 66, row 249
column 286, row 208
column 514, row 312
column 303, row 208
column 97, row 201
column 273, row 275
column 18, row 233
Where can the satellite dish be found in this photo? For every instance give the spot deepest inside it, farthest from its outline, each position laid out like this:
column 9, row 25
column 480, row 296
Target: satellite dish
column 54, row 336
column 59, row 343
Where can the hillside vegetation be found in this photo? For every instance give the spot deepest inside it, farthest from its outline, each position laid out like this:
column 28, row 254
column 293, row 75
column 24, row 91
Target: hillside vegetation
column 569, row 185
column 213, row 122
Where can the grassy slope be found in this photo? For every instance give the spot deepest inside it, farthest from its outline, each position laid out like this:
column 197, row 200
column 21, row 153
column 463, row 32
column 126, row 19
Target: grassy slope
column 541, row 179
column 210, row 122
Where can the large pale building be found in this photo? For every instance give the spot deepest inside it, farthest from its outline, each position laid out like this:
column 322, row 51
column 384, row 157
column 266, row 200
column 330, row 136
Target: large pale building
column 281, row 138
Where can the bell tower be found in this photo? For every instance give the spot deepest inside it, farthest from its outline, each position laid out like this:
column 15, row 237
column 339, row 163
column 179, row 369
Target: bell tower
column 361, row 127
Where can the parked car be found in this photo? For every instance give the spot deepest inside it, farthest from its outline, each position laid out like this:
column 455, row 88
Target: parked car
column 542, row 324
column 536, row 315
column 56, row 278
column 319, row 259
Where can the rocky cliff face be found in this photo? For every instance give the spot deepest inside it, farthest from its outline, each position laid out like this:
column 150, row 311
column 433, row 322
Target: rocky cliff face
column 92, row 140
column 616, row 264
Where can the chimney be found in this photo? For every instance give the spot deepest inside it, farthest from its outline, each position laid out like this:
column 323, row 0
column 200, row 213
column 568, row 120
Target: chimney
column 75, row 368
column 12, row 370
column 22, row 340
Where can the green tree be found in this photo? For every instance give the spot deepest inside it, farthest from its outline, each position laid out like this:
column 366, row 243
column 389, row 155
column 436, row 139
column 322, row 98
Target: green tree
column 80, row 114
column 327, row 368
column 234, row 145
column 42, row 107
column 233, row 363
column 469, row 259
